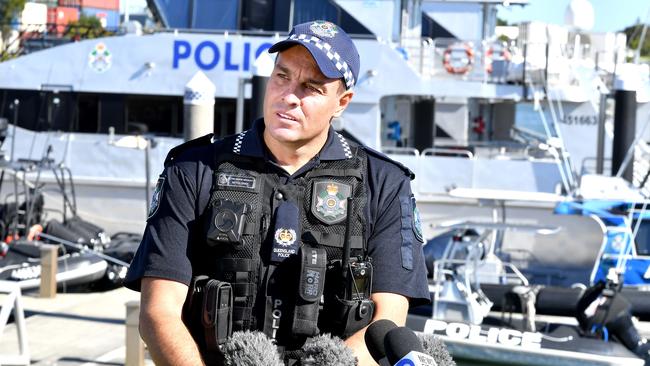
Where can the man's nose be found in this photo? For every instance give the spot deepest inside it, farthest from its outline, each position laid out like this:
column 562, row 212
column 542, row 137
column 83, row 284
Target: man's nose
column 291, row 95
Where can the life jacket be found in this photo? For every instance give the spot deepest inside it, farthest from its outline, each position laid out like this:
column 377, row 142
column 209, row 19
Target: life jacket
column 265, row 293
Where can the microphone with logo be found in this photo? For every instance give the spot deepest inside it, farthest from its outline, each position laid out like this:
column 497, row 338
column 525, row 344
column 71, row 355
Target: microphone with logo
column 250, row 349
column 403, row 348
column 388, row 350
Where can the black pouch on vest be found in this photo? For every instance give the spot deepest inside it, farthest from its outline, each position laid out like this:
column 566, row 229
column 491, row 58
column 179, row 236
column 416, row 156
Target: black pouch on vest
column 313, row 262
column 216, row 313
column 352, row 315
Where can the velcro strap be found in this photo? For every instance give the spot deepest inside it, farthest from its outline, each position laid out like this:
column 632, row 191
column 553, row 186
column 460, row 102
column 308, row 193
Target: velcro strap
column 331, row 239
column 235, row 265
column 251, row 227
column 350, row 172
column 243, row 289
column 241, row 313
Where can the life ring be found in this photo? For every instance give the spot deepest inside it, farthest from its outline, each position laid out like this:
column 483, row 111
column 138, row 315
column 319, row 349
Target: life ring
column 502, row 54
column 458, row 65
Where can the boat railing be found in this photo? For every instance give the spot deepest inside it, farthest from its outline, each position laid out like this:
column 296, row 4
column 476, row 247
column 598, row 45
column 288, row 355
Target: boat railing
column 442, row 151
column 395, row 150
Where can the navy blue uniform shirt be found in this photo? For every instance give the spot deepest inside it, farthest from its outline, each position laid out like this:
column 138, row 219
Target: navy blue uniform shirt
column 183, row 194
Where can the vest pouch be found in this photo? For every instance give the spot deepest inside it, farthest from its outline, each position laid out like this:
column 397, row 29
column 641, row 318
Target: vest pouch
column 216, row 315
column 350, row 315
column 313, row 262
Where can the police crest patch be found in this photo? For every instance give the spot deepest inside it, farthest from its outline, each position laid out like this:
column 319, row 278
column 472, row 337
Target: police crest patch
column 329, row 201
column 416, row 222
column 285, row 237
column 155, row 197
column 324, row 29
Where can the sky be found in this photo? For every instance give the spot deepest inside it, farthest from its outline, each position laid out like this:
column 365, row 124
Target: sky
column 609, row 15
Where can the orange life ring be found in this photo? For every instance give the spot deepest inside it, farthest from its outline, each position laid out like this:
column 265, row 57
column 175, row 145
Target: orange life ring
column 504, row 55
column 468, row 60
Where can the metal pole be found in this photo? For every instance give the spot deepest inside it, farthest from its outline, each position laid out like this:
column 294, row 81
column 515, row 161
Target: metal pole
column 524, row 73
column 147, row 175
column 600, row 147
column 239, row 120
column 13, row 136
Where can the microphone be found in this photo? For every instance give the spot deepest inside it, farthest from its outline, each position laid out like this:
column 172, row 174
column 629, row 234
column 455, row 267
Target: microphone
column 403, row 348
column 435, row 347
column 374, row 337
column 250, row 348
column 325, row 350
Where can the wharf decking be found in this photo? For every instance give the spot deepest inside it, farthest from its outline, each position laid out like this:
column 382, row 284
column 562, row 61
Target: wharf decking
column 73, row 328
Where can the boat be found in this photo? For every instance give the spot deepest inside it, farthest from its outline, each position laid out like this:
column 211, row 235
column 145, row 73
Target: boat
column 458, row 106
column 485, row 308
column 87, row 257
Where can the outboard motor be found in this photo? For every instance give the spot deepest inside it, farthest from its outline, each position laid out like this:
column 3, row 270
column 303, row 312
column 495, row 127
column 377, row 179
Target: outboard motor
column 604, row 313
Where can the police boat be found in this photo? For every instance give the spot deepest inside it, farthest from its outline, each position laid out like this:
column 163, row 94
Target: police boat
column 596, row 328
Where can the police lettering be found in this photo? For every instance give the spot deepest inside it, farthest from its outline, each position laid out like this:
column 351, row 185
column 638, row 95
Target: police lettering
column 505, row 336
column 277, row 315
column 207, row 54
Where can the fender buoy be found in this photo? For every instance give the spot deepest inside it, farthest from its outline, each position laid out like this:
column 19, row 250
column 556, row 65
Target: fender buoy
column 502, row 53
column 458, row 65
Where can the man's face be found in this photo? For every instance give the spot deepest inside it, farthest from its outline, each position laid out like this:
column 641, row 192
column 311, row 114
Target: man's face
column 300, row 101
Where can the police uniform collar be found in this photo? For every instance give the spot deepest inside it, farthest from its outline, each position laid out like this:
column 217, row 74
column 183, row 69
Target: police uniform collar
column 251, row 143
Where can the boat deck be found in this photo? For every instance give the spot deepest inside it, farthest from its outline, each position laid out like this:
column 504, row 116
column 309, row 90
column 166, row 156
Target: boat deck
column 73, row 328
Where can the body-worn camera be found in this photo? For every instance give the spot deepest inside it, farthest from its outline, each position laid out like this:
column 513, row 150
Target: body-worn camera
column 359, row 287
column 226, row 225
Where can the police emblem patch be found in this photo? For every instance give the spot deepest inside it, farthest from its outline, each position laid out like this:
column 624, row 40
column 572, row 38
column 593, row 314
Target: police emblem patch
column 329, row 201
column 100, row 58
column 155, row 197
column 324, row 29
column 285, row 237
column 417, row 224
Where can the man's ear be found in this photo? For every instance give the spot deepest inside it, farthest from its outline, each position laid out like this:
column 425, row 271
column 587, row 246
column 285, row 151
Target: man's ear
column 344, row 100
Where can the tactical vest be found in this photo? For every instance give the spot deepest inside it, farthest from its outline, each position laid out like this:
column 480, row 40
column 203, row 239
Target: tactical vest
column 265, row 293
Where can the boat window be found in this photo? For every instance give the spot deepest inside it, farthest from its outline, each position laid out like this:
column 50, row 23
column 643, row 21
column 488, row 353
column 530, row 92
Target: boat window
column 642, row 239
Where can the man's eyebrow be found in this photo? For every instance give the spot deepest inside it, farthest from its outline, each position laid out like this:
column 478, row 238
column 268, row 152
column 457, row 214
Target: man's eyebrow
column 283, row 68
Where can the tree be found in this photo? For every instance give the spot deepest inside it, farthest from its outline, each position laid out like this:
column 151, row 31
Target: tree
column 85, row 28
column 8, row 11
column 633, row 34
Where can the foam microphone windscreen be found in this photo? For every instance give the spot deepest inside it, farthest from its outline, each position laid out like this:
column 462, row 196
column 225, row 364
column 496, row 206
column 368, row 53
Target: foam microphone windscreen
column 325, row 350
column 399, row 342
column 250, row 349
column 435, row 347
column 375, row 335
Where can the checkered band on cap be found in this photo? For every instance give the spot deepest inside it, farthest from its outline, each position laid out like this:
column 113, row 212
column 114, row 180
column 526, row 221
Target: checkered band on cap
column 334, row 57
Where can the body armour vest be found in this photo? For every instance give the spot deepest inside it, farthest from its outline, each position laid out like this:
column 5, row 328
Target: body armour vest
column 242, row 232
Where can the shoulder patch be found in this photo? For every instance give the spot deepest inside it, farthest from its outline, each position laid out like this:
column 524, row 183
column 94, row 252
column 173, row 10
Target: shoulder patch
column 383, row 157
column 155, row 197
column 178, row 150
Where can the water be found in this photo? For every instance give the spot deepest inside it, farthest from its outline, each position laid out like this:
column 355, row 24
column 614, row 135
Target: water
column 527, row 117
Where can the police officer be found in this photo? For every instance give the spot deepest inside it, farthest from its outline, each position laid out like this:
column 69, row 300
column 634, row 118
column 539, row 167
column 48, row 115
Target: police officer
column 244, row 210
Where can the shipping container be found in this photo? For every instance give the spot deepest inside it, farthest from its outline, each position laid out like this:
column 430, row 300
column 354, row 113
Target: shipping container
column 61, row 16
column 33, row 18
column 49, row 3
column 101, row 4
column 110, row 19
column 70, row 3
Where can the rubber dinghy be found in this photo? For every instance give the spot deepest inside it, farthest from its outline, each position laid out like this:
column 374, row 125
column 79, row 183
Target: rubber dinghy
column 87, row 257
column 602, row 331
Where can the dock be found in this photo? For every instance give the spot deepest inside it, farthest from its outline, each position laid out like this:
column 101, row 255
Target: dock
column 73, row 328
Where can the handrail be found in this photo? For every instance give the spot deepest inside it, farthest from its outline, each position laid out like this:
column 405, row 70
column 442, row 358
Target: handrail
column 400, row 150
column 439, row 150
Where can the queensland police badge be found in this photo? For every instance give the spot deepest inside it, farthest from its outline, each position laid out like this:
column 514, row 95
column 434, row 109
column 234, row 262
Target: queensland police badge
column 155, row 197
column 329, row 201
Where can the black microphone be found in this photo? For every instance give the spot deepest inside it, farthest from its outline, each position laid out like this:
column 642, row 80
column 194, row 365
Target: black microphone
column 404, row 348
column 374, row 337
column 250, row 349
column 435, row 347
column 325, row 350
